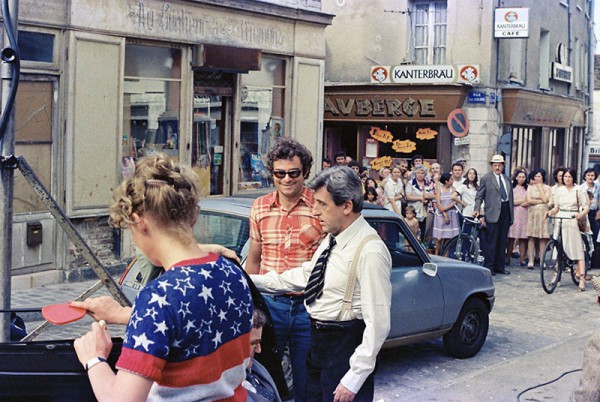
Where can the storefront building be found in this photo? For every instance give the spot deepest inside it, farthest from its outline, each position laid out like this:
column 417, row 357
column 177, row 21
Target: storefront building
column 522, row 72
column 104, row 83
column 383, row 124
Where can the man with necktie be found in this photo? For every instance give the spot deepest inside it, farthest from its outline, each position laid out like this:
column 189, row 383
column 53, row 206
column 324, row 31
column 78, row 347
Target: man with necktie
column 496, row 192
column 350, row 318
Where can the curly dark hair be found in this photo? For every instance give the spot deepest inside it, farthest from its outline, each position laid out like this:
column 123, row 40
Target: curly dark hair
column 287, row 148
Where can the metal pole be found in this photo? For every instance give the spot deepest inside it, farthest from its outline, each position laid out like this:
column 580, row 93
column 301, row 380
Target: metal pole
column 6, row 186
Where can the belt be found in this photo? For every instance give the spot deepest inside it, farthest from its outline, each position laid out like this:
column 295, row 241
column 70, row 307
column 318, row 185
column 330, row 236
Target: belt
column 568, row 210
column 333, row 325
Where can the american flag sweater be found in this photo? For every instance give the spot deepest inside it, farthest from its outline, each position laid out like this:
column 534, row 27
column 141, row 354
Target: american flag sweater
column 190, row 332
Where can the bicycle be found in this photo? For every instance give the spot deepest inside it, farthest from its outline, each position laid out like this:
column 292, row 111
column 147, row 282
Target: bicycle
column 555, row 260
column 465, row 247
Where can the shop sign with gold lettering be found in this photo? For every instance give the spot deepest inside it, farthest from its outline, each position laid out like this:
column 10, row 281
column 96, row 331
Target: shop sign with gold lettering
column 381, row 135
column 370, row 107
column 406, row 146
column 381, row 162
column 426, row 134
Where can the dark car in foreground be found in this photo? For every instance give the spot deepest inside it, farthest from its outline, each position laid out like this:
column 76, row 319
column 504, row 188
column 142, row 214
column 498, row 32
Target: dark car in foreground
column 432, row 297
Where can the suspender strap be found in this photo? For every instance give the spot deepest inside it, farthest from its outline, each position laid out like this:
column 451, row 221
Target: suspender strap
column 347, row 300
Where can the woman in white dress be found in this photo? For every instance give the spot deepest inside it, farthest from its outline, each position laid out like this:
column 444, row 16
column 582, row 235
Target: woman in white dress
column 570, row 201
column 394, row 191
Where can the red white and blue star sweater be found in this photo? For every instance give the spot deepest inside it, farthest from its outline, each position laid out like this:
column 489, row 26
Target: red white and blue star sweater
column 190, row 332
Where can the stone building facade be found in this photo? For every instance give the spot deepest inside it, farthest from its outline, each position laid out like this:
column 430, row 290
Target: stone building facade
column 211, row 83
column 518, row 71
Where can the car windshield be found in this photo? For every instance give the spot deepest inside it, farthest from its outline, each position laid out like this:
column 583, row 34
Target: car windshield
column 230, row 231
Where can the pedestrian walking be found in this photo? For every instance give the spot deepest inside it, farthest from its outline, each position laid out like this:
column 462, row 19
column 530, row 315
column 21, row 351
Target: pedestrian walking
column 538, row 197
column 284, row 234
column 517, row 232
column 592, row 187
column 445, row 224
column 346, row 337
column 571, row 202
column 493, row 190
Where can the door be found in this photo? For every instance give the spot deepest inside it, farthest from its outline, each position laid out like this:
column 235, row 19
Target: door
column 211, row 130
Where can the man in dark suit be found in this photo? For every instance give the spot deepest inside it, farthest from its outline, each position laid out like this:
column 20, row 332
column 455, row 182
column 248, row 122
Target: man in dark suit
column 495, row 190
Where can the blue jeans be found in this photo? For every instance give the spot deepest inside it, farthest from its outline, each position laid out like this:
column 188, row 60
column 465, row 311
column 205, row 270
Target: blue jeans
column 292, row 327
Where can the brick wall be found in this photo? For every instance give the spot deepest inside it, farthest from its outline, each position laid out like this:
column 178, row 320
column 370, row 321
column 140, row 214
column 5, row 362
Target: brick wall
column 103, row 240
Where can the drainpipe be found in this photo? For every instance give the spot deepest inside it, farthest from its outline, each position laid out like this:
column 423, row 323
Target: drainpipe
column 8, row 71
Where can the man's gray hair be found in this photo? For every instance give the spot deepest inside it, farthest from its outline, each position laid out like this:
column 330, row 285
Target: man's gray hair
column 342, row 183
column 421, row 167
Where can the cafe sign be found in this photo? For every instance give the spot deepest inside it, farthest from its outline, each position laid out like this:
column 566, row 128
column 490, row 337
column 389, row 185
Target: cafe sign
column 511, row 23
column 381, row 135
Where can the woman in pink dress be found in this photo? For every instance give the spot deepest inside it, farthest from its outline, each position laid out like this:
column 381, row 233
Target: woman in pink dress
column 517, row 232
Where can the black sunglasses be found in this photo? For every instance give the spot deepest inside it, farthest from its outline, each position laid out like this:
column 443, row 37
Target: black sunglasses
column 293, row 173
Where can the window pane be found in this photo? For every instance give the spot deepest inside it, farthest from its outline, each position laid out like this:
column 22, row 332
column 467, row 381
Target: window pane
column 152, row 62
column 36, row 46
column 151, row 117
column 33, row 136
column 263, row 109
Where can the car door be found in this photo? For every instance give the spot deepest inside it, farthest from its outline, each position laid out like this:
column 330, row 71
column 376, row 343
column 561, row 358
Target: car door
column 417, row 298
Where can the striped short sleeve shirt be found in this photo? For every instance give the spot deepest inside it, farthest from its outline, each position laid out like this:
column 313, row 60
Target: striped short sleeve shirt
column 287, row 237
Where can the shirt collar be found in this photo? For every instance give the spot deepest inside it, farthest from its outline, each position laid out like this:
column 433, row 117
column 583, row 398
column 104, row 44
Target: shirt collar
column 348, row 234
column 306, row 197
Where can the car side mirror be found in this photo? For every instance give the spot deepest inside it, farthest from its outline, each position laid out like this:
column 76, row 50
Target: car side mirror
column 430, row 269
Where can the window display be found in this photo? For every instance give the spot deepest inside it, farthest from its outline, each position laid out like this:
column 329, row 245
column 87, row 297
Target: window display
column 151, row 101
column 262, row 122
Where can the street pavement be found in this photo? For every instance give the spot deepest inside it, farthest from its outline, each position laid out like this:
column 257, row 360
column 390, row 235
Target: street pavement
column 533, row 339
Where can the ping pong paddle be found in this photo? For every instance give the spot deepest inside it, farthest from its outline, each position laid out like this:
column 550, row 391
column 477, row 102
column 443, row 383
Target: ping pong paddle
column 62, row 313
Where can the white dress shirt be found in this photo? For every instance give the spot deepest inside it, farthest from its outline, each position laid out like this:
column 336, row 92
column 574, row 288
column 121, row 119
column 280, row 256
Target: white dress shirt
column 371, row 300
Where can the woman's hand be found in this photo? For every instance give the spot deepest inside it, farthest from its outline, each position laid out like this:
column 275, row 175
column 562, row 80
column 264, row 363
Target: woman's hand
column 446, row 218
column 105, row 308
column 96, row 343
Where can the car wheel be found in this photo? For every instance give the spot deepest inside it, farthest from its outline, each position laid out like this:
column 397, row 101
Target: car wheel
column 469, row 331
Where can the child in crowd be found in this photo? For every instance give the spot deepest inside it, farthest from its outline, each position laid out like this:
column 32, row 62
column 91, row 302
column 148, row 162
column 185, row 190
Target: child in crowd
column 371, row 195
column 412, row 221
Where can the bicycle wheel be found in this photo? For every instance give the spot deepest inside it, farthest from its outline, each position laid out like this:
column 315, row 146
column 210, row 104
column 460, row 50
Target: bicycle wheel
column 463, row 250
column 550, row 267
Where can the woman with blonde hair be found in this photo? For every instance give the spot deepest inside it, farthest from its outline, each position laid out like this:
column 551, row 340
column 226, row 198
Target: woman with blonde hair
column 186, row 339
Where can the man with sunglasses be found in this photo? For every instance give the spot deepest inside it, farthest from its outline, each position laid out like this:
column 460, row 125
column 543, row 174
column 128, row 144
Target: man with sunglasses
column 283, row 235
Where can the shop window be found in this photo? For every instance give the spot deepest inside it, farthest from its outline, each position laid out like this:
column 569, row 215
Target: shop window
column 429, row 32
column 151, row 99
column 262, row 120
column 33, row 140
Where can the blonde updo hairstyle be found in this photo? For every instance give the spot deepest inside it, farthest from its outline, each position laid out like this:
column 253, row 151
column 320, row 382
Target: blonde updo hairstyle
column 161, row 189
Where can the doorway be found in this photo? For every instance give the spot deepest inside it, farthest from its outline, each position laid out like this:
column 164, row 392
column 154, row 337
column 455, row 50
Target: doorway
column 211, row 130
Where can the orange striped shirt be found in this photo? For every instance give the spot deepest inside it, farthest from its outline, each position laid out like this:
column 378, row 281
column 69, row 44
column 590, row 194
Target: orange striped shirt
column 287, row 238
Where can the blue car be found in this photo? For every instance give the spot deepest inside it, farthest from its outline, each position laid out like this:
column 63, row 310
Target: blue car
column 432, row 296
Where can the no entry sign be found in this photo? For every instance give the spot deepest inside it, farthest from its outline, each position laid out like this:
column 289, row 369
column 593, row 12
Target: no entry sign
column 458, row 124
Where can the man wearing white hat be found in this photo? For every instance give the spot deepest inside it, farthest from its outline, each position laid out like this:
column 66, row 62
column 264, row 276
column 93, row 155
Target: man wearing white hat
column 496, row 191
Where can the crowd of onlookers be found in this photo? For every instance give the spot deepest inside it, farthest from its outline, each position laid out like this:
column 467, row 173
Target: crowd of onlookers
column 434, row 202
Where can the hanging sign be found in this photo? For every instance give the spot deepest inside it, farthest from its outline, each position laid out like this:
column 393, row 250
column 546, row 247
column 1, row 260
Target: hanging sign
column 381, row 135
column 426, row 134
column 384, row 161
column 406, row 146
column 511, row 23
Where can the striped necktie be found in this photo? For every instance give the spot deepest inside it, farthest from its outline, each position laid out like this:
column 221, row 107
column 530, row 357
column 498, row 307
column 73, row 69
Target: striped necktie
column 314, row 287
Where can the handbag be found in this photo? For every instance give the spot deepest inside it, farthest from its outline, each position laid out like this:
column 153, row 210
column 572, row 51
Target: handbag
column 583, row 222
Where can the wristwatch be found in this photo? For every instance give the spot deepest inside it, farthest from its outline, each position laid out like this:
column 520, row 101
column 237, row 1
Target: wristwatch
column 93, row 361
